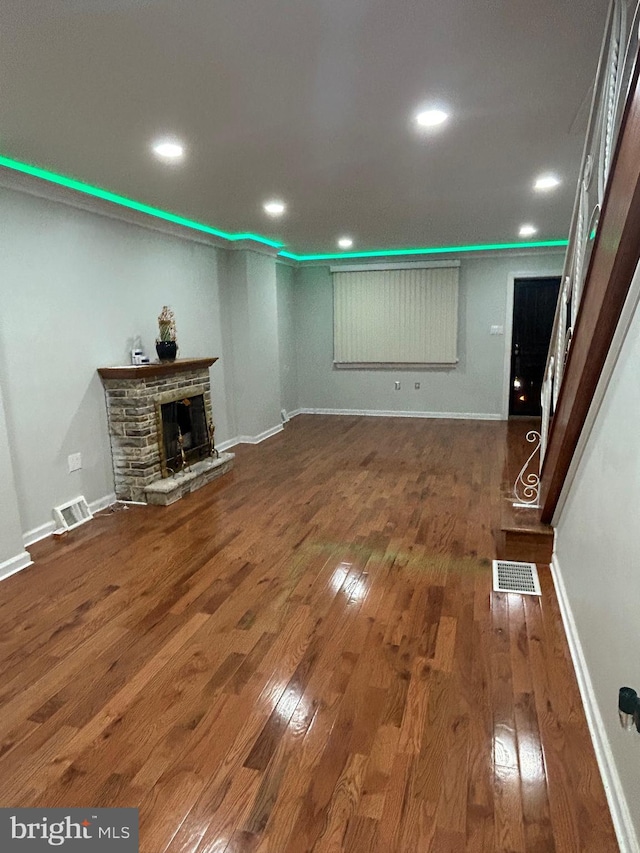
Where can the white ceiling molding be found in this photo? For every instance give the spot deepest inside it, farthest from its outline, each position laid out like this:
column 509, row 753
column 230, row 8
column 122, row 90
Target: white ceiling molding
column 19, row 182
column 252, row 246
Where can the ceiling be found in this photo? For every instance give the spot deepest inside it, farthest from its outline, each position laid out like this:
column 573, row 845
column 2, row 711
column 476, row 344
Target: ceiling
column 311, row 101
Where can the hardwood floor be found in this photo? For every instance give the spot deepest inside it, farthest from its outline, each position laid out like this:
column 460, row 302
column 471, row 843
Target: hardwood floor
column 304, row 656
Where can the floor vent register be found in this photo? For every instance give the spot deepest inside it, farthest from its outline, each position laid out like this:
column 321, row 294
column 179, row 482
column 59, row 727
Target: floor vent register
column 511, row 576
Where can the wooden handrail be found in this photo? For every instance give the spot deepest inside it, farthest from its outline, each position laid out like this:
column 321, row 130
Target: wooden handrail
column 613, row 261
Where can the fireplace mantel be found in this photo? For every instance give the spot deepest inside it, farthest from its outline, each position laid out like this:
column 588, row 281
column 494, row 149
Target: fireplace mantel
column 158, row 368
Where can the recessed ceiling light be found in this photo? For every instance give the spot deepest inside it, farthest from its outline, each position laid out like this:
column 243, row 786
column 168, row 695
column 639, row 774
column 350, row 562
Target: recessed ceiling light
column 546, row 182
column 168, row 149
column 431, row 118
column 345, row 242
column 528, row 230
column 274, row 208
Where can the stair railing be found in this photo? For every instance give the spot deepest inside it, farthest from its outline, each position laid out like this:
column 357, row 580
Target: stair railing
column 617, row 58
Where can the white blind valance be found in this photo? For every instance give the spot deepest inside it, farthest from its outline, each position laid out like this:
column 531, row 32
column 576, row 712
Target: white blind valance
column 396, row 316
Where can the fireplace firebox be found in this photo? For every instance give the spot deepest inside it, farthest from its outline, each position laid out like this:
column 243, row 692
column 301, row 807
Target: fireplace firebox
column 185, row 433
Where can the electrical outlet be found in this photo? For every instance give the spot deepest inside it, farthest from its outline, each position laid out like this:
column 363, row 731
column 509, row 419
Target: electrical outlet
column 397, row 386
column 417, row 386
column 75, row 462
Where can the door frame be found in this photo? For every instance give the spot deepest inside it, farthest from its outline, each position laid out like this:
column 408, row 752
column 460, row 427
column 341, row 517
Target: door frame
column 508, row 329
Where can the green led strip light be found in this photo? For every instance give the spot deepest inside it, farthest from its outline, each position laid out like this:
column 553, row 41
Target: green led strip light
column 122, row 201
column 441, row 250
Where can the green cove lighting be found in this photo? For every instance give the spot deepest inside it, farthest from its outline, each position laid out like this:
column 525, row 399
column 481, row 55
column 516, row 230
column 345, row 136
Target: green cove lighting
column 430, row 250
column 122, row 201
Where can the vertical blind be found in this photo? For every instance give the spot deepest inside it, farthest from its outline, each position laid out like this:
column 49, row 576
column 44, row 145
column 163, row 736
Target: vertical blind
column 396, row 316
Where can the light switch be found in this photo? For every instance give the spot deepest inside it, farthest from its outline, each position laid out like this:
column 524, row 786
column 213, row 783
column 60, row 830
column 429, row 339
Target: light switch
column 497, row 330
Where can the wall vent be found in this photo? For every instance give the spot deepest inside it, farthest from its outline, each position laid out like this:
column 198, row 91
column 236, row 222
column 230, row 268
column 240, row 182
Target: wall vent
column 72, row 513
column 510, row 576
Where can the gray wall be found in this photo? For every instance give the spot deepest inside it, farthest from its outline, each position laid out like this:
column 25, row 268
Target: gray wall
column 10, row 524
column 597, row 553
column 232, row 274
column 76, row 288
column 285, row 281
column 474, row 386
column 250, row 319
column 262, row 322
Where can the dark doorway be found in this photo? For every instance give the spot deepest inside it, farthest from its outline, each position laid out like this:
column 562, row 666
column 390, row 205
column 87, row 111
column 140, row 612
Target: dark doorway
column 534, row 306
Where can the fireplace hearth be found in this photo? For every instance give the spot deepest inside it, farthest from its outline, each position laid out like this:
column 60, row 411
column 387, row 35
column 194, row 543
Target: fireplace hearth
column 159, row 424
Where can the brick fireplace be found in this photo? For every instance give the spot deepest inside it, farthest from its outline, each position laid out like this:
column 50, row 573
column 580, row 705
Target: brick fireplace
column 159, row 417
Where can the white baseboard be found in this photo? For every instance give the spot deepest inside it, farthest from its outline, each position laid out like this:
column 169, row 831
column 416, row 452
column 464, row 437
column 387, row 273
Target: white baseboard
column 256, row 439
column 622, row 823
column 103, row 503
column 38, row 533
column 250, row 439
column 15, row 564
column 384, row 413
column 44, row 530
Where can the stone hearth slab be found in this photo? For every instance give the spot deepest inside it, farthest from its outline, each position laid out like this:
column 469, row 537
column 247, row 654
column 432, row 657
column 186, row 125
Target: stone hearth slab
column 171, row 489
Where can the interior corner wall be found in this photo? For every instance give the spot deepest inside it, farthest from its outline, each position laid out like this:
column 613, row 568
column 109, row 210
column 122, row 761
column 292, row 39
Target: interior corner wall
column 475, row 386
column 233, row 305
column 249, row 305
column 10, row 526
column 76, row 289
column 596, row 548
column 285, row 282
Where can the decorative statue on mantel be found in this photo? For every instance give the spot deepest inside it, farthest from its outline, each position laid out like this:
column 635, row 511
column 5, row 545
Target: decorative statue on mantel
column 166, row 345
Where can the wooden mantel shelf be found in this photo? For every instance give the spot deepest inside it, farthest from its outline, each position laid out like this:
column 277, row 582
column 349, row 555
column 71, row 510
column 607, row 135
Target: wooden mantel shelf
column 157, row 368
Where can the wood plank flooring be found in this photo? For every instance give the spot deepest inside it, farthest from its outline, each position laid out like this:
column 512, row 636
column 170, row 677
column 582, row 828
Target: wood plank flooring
column 304, row 656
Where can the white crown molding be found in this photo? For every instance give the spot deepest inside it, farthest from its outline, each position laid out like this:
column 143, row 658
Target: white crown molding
column 448, row 257
column 249, row 245
column 30, row 185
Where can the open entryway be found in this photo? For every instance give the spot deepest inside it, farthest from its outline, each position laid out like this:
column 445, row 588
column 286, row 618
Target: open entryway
column 534, row 305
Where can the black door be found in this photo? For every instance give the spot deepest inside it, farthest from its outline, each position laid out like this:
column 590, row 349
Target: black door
column 534, row 306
